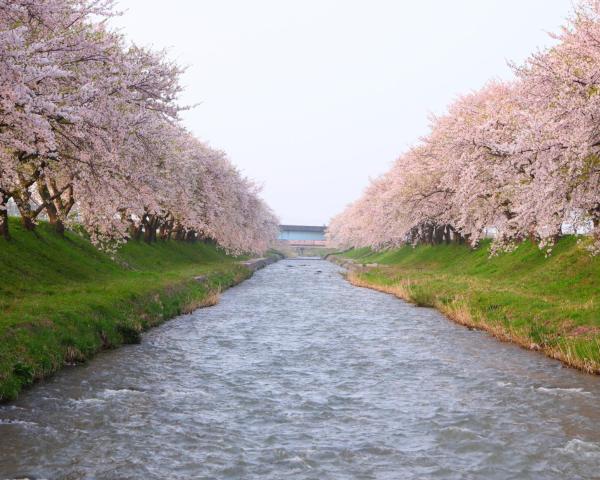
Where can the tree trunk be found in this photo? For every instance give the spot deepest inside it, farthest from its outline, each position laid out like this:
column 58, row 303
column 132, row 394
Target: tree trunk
column 429, row 234
column 448, row 234
column 136, row 233
column 153, row 228
column 162, row 232
column 147, row 233
column 439, row 234
column 595, row 213
column 22, row 200
column 59, row 227
column 145, row 226
column 61, row 206
column 179, row 233
column 28, row 223
column 532, row 236
column 4, row 229
column 50, row 206
column 150, row 225
column 190, row 236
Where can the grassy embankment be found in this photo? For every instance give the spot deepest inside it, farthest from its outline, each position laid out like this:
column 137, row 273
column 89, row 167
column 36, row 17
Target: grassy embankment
column 61, row 300
column 547, row 304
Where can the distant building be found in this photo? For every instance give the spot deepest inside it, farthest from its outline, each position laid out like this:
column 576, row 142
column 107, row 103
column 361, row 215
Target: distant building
column 302, row 235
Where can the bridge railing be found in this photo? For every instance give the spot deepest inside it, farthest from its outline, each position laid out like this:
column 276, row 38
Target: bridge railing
column 305, row 243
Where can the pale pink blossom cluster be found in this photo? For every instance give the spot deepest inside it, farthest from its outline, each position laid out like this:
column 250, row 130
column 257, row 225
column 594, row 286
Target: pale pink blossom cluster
column 518, row 159
column 89, row 134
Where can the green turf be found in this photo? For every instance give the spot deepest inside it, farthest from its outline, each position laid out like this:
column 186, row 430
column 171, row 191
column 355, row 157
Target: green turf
column 548, row 303
column 63, row 300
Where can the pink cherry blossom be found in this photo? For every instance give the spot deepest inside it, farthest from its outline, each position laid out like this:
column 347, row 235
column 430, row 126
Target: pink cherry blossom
column 89, row 134
column 520, row 159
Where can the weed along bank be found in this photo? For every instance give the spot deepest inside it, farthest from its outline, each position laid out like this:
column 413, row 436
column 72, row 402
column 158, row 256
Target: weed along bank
column 543, row 303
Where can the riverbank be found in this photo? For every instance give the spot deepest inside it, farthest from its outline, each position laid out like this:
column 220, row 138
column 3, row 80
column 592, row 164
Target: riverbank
column 62, row 300
column 546, row 304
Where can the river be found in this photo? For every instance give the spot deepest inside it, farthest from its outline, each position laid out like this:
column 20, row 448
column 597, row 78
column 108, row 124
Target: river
column 298, row 374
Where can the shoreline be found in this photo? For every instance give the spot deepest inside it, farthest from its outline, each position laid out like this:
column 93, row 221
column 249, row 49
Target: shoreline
column 149, row 312
column 63, row 301
column 464, row 310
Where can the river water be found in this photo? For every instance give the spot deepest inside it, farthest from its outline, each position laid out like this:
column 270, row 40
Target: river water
column 297, row 374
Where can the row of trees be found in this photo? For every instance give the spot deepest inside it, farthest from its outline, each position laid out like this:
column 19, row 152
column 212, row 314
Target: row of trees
column 89, row 133
column 521, row 158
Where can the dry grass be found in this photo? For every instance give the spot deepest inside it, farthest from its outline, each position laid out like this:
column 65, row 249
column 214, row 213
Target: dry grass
column 210, row 299
column 569, row 356
column 401, row 289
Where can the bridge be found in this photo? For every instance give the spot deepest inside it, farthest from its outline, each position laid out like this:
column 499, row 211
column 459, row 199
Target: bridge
column 302, row 237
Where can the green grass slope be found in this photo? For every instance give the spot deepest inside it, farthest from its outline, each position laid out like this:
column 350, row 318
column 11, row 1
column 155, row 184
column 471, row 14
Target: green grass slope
column 549, row 304
column 62, row 300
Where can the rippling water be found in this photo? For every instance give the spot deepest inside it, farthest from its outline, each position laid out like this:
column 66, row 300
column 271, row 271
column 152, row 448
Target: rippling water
column 297, row 374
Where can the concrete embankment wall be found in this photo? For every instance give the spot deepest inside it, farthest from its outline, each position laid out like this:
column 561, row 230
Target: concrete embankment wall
column 257, row 263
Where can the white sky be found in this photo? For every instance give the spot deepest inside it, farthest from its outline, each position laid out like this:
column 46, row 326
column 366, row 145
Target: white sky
column 312, row 97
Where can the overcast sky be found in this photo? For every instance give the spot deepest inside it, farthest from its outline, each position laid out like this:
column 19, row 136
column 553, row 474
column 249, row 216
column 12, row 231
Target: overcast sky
column 312, row 97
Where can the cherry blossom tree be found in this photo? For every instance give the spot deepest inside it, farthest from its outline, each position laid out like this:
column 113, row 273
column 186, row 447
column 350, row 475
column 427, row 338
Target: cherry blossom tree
column 90, row 134
column 521, row 158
